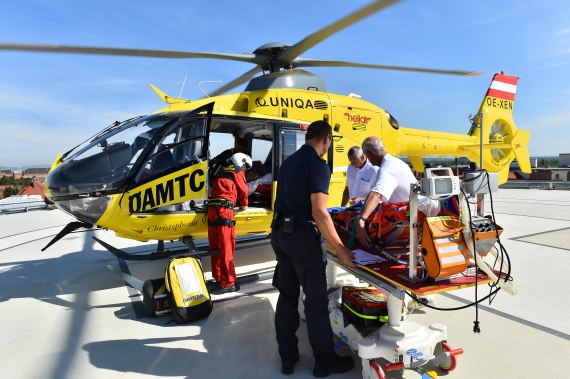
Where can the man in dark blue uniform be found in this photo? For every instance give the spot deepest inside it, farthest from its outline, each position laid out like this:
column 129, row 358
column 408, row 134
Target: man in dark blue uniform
column 301, row 208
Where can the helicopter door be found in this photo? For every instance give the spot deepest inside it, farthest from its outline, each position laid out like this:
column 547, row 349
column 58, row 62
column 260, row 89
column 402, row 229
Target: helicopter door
column 174, row 172
column 291, row 139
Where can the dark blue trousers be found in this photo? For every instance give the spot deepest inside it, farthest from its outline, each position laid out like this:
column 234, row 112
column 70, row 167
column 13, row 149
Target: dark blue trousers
column 300, row 263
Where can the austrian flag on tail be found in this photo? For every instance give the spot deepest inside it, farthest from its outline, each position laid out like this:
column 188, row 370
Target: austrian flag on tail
column 503, row 87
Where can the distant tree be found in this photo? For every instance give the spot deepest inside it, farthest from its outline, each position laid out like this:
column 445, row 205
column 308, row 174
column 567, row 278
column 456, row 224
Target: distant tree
column 9, row 181
column 545, row 163
column 9, row 191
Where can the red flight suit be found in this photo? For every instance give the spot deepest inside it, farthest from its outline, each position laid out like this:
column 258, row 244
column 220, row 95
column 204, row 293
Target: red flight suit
column 232, row 187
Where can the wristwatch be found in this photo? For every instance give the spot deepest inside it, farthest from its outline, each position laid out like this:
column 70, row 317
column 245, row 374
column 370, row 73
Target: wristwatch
column 361, row 217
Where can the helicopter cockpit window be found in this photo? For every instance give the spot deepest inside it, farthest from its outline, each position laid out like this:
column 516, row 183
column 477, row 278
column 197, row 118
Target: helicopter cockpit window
column 103, row 162
column 180, row 147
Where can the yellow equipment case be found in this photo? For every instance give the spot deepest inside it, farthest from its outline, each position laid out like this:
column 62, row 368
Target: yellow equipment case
column 188, row 295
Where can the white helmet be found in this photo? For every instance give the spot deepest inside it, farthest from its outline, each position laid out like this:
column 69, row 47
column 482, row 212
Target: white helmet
column 240, row 159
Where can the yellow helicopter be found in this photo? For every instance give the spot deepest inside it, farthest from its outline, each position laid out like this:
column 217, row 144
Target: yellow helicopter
column 147, row 178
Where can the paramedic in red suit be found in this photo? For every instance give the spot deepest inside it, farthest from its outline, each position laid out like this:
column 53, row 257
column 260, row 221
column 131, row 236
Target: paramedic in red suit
column 228, row 190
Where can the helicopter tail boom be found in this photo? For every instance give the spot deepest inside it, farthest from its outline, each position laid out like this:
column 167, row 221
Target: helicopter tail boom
column 502, row 141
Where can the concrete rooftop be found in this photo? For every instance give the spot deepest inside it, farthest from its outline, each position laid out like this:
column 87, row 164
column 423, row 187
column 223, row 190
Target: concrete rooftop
column 65, row 314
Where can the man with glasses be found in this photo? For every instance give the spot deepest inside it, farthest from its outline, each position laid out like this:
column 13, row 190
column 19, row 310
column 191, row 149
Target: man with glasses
column 360, row 177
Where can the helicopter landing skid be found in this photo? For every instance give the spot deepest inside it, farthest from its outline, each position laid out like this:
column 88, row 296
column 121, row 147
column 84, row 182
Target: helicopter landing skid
column 193, row 251
column 159, row 254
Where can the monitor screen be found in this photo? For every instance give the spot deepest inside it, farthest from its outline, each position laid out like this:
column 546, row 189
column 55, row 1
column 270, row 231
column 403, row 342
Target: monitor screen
column 443, row 186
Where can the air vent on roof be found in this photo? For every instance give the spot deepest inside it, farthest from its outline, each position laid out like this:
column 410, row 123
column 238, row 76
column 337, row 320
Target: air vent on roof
column 320, row 104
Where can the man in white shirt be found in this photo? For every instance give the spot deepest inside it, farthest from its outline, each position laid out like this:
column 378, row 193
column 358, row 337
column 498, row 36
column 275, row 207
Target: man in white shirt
column 360, row 177
column 392, row 184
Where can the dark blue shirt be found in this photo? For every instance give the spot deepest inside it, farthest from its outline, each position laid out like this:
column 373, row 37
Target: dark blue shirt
column 301, row 175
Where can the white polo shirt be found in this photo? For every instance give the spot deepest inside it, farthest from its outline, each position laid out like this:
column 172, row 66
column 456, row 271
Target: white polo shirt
column 360, row 180
column 393, row 180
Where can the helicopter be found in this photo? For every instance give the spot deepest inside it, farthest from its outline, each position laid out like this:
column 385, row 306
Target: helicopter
column 147, row 178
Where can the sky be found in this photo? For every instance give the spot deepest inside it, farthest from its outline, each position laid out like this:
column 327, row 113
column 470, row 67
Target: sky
column 52, row 102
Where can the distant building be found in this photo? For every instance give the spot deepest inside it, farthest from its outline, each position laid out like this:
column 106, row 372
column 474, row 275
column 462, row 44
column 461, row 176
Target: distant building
column 514, row 166
column 516, row 175
column 37, row 188
column 564, row 160
column 551, row 174
column 4, row 173
column 37, row 173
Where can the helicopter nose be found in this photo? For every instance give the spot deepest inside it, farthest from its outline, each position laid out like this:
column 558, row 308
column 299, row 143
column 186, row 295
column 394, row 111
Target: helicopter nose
column 83, row 200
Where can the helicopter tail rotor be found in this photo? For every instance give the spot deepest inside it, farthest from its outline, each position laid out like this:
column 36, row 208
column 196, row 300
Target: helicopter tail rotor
column 502, row 141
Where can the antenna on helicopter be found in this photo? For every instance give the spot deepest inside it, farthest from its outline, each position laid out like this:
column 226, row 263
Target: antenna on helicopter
column 207, row 81
column 182, row 88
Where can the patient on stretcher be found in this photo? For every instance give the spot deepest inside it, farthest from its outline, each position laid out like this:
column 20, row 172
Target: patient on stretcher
column 388, row 225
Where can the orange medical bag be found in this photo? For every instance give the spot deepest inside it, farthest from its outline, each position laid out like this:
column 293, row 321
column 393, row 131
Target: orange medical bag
column 443, row 246
column 391, row 224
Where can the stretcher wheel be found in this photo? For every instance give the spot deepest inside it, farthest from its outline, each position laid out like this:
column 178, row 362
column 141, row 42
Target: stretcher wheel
column 374, row 371
column 450, row 363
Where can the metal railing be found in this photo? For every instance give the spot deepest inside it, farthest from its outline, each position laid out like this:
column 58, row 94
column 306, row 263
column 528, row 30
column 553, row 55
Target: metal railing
column 536, row 184
column 22, row 206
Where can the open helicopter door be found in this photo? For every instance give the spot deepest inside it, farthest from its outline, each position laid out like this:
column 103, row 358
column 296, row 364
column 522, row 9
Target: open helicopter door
column 173, row 172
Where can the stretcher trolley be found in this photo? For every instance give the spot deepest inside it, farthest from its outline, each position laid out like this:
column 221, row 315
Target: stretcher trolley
column 401, row 343
column 404, row 344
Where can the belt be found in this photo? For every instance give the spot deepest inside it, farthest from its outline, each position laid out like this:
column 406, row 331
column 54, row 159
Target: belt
column 278, row 218
column 222, row 222
column 219, row 202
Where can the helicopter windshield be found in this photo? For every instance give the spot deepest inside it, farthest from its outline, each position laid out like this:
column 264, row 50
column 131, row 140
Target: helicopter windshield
column 103, row 162
column 125, row 132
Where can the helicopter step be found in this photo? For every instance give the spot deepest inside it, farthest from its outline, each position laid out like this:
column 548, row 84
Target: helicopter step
column 191, row 250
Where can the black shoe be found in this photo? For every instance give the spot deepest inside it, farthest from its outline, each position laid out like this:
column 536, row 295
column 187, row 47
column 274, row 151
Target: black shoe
column 340, row 365
column 221, row 291
column 287, row 368
column 212, row 286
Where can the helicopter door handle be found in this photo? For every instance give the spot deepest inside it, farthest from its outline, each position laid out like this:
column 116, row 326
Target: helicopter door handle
column 337, row 138
column 248, row 218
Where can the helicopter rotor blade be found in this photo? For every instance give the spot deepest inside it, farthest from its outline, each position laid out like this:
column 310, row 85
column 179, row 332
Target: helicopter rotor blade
column 237, row 81
column 292, row 52
column 250, row 58
column 306, row 62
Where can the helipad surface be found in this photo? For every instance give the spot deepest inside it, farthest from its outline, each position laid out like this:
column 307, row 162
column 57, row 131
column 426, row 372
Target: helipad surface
column 65, row 314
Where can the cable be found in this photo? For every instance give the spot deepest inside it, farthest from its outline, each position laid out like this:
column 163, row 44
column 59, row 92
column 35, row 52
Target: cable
column 421, row 301
column 476, row 327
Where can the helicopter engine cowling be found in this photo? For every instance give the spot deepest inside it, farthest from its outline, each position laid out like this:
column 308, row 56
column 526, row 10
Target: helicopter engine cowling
column 299, row 79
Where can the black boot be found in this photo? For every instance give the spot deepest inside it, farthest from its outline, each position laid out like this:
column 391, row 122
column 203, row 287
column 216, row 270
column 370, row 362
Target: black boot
column 340, row 365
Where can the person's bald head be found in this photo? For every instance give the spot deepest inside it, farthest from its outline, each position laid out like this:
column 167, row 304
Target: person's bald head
column 374, row 149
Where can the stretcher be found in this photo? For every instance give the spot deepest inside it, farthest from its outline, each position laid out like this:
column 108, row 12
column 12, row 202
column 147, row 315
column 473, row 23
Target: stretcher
column 401, row 344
